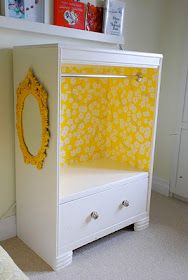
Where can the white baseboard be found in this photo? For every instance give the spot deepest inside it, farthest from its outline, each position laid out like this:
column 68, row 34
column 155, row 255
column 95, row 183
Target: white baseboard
column 7, row 228
column 161, row 186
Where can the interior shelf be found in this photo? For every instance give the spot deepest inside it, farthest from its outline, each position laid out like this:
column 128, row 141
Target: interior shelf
column 87, row 178
column 58, row 31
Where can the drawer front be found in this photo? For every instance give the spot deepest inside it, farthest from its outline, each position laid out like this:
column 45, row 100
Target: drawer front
column 109, row 208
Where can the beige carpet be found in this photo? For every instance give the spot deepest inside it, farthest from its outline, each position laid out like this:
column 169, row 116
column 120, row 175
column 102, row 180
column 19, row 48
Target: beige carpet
column 158, row 253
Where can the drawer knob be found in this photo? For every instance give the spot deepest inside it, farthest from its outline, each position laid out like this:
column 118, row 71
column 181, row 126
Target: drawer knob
column 94, row 215
column 125, row 203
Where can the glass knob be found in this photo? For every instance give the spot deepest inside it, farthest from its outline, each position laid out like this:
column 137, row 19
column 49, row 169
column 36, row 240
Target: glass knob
column 125, row 203
column 94, row 215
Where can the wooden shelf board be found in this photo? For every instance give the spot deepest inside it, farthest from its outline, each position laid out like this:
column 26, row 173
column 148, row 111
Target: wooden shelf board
column 91, row 177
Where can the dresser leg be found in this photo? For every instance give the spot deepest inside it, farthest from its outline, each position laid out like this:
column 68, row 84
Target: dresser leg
column 63, row 260
column 142, row 224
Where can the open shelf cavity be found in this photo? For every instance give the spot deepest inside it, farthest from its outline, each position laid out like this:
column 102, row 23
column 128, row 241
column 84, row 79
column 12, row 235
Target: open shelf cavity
column 106, row 127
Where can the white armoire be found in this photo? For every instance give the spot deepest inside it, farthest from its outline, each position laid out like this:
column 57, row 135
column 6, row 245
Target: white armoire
column 96, row 176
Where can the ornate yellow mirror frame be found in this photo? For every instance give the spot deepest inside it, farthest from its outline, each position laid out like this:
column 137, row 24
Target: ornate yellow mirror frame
column 31, row 86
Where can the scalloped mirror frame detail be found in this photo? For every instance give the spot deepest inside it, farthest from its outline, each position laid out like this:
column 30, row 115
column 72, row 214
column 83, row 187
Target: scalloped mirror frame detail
column 30, row 85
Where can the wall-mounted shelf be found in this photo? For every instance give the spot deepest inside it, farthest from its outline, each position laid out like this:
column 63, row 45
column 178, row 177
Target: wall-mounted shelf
column 58, row 31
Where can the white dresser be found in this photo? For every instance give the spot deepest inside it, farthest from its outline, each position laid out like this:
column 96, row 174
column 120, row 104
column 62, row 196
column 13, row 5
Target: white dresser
column 96, row 177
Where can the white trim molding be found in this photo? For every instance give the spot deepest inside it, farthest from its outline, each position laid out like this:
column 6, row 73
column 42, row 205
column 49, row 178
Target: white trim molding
column 7, row 228
column 161, row 186
column 142, row 224
column 63, row 261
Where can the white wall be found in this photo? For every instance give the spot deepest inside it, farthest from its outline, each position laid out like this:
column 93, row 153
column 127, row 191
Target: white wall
column 7, row 191
column 143, row 25
column 173, row 45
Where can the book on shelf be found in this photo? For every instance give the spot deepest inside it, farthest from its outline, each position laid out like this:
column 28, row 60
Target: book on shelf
column 69, row 14
column 94, row 15
column 114, row 17
column 32, row 10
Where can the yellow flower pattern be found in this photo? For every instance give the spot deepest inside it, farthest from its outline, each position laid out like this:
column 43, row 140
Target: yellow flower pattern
column 111, row 118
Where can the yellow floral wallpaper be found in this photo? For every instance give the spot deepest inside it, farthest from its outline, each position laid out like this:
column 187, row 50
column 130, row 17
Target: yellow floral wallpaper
column 111, row 118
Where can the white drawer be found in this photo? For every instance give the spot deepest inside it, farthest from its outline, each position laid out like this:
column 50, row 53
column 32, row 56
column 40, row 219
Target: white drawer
column 76, row 223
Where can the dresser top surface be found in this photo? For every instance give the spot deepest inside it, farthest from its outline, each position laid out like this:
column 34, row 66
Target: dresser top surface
column 94, row 176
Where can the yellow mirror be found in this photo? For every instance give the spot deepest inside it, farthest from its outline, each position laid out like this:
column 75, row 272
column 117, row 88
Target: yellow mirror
column 32, row 120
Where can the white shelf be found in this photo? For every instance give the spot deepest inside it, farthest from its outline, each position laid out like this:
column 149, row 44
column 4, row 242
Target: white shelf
column 88, row 178
column 52, row 30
